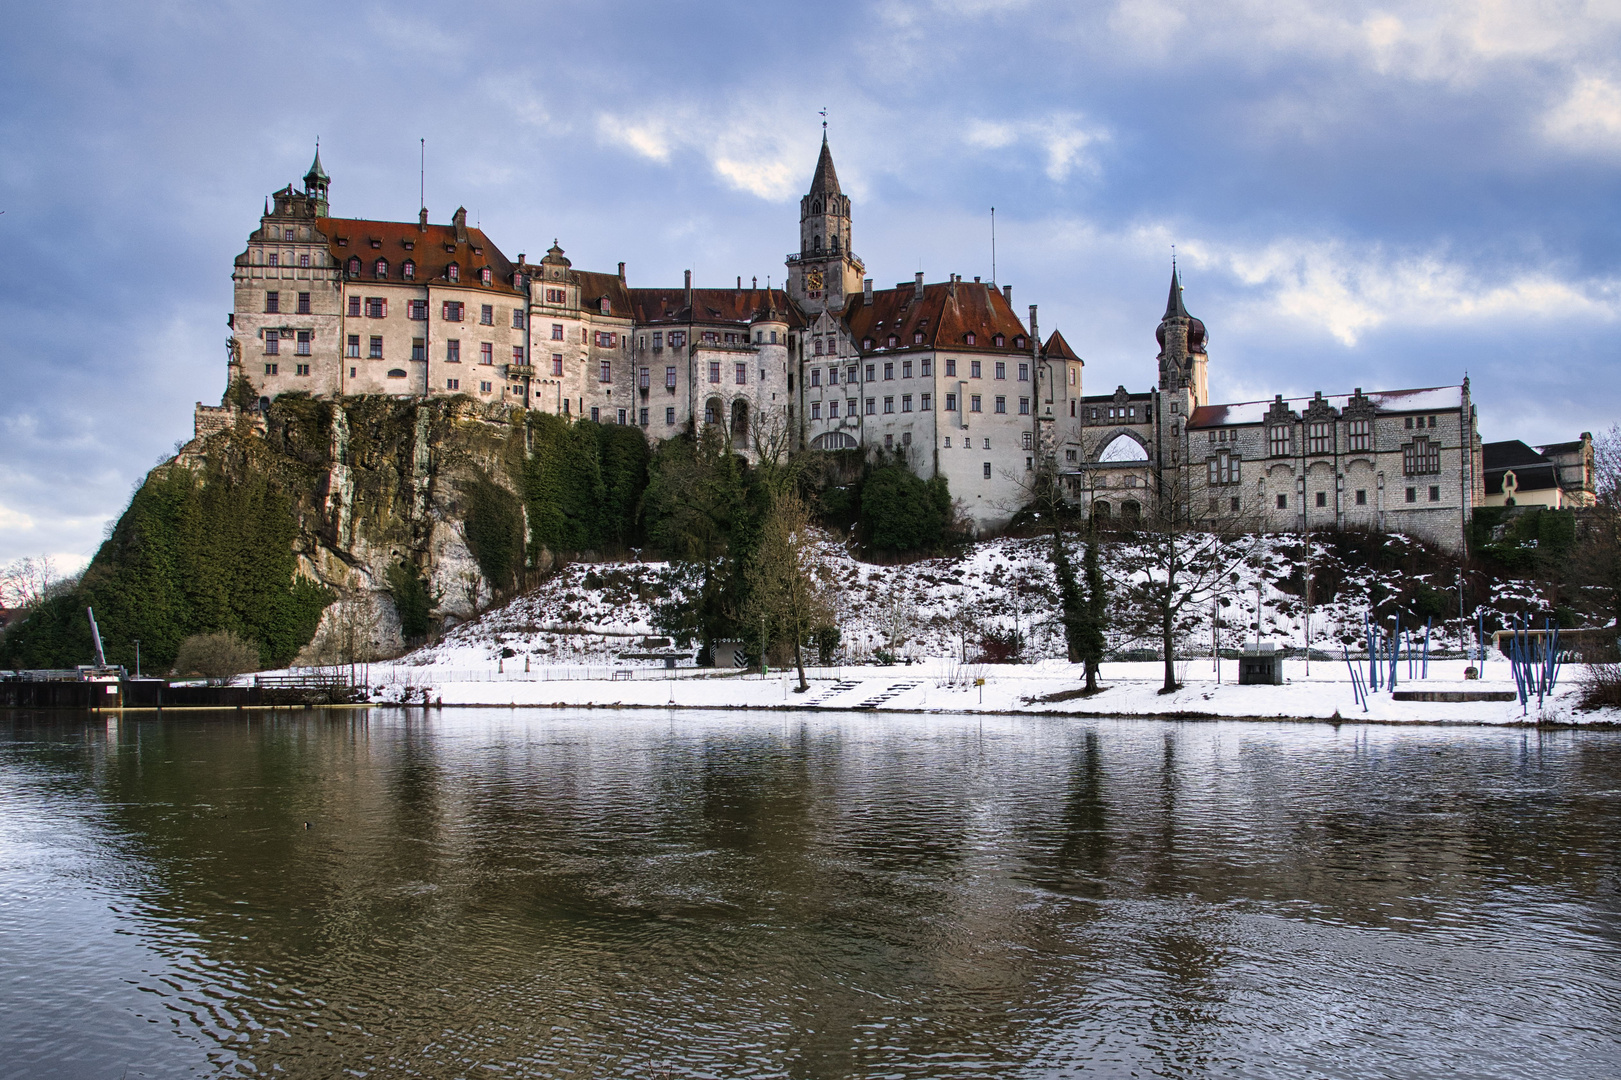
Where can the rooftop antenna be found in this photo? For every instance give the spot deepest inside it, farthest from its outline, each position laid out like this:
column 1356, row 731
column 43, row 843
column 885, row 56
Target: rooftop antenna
column 422, row 175
column 993, row 245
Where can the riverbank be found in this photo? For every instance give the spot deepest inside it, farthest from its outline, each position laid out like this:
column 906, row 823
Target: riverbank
column 1045, row 688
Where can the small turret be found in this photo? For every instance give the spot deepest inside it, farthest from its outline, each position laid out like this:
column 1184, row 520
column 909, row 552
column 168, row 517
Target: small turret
column 317, row 183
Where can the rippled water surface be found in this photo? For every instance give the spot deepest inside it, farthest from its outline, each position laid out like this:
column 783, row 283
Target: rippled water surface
column 494, row 893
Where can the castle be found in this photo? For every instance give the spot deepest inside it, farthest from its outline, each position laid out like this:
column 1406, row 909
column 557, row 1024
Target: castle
column 946, row 375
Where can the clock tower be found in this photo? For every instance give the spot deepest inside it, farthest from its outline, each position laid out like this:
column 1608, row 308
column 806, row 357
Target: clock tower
column 825, row 270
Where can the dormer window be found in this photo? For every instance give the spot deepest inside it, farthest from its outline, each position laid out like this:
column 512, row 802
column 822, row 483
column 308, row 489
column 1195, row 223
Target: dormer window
column 603, row 306
column 380, row 269
column 866, row 343
column 969, row 340
column 453, row 272
column 408, row 270
column 893, row 341
column 410, row 245
column 478, row 251
column 450, row 249
column 354, row 267
column 1000, row 341
column 484, row 275
column 376, row 243
column 1018, row 342
column 343, row 241
column 917, row 337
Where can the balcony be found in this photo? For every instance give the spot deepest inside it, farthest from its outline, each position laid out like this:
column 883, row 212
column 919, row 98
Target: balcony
column 520, row 371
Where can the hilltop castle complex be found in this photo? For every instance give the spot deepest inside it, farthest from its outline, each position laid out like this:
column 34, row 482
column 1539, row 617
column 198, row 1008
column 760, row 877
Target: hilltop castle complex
column 944, row 374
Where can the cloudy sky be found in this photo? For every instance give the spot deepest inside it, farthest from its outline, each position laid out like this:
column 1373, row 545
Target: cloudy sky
column 1382, row 194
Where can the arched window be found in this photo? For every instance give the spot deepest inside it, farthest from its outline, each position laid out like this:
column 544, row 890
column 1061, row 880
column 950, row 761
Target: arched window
column 816, row 243
column 816, row 206
column 354, row 266
column 396, row 373
column 379, row 268
column 408, row 270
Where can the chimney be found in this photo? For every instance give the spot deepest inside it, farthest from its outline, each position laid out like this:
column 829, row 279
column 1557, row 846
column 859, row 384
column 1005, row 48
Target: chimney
column 976, row 279
column 422, row 220
column 1007, row 294
column 866, row 291
column 1035, row 334
column 621, row 271
column 953, row 286
column 459, row 219
column 689, row 288
column 740, row 283
column 520, row 258
column 917, row 288
column 754, row 282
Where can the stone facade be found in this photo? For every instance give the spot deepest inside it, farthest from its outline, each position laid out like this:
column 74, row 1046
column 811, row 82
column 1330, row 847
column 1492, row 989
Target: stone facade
column 944, row 375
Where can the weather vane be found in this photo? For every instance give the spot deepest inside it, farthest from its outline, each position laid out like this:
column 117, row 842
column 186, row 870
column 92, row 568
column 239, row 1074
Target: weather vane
column 824, row 120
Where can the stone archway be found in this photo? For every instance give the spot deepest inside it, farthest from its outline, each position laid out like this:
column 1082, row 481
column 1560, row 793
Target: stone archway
column 714, row 409
column 1124, row 446
column 740, row 422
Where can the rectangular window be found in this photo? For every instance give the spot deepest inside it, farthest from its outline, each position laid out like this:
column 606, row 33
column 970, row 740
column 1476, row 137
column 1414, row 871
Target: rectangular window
column 1024, row 372
column 889, row 442
column 951, row 367
column 889, row 405
column 517, row 354
column 1362, row 497
column 973, row 403
column 376, row 307
column 557, row 296
column 872, row 406
column 850, row 374
column 1319, row 437
column 951, row 403
column 303, row 347
column 486, row 315
column 517, row 318
column 453, row 384
column 1024, row 406
column 669, row 378
column 605, row 372
column 272, row 342
column 906, row 403
column 304, row 259
column 486, row 353
column 1322, row 498
column 1279, row 440
column 906, row 369
column 376, row 350
column 678, row 338
column 973, row 369
column 1283, row 502
column 301, row 369
column 484, row 387
column 270, row 369
column 714, row 371
column 641, row 417
column 816, row 376
column 303, row 303
column 621, row 417
column 417, row 309
column 710, row 337
column 850, row 406
column 453, row 311
column 1435, row 493
column 987, row 470
column 926, row 367
column 1001, row 370
column 1421, row 456
column 596, row 414
column 741, row 374
column 557, row 331
column 926, row 402
column 453, row 351
column 1001, row 403
column 644, row 378
column 871, row 368
column 1412, row 495
column 669, row 415
column 1027, row 438
column 833, row 410
column 889, row 372
column 354, row 307
column 1361, row 436
column 816, row 410
column 273, row 302
column 351, row 348
column 1409, row 423
column 557, row 363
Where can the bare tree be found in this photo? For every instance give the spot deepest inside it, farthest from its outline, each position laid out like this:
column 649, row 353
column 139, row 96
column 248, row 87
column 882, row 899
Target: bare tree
column 216, row 656
column 27, row 581
column 1194, row 536
column 1596, row 556
column 788, row 589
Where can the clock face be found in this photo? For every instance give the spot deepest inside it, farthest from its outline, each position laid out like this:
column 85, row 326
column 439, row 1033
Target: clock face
column 813, row 279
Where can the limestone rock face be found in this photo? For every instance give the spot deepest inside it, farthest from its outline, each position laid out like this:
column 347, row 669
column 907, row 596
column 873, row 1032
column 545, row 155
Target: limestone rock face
column 374, row 481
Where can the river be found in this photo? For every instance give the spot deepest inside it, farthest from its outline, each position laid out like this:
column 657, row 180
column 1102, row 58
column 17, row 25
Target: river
column 495, row 893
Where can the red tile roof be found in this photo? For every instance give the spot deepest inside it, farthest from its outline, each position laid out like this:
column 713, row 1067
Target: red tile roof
column 432, row 251
column 945, row 316
column 740, row 306
column 1058, row 349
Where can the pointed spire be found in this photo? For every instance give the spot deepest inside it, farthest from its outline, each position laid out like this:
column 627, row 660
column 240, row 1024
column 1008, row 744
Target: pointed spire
column 1173, row 306
column 316, row 172
column 826, row 181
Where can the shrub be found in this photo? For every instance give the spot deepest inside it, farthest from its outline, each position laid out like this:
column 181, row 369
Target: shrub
column 216, row 656
column 1600, row 687
column 411, row 599
column 1001, row 647
column 900, row 512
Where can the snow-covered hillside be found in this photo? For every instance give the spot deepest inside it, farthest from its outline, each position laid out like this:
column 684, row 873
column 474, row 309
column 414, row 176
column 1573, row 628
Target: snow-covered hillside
column 591, row 614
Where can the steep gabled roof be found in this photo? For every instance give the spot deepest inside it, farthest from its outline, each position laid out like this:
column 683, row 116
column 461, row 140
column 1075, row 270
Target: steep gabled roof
column 432, row 250
column 943, row 315
column 1058, row 349
column 737, row 306
column 594, row 287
